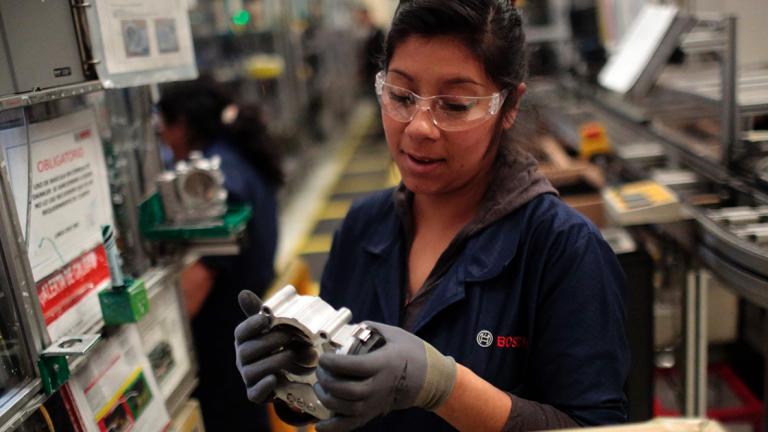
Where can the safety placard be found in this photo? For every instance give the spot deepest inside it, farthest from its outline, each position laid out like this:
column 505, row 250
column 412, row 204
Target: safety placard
column 62, row 198
column 142, row 41
column 116, row 390
column 164, row 339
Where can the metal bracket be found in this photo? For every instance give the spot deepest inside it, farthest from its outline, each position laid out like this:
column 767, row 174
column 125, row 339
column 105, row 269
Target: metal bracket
column 53, row 365
column 75, row 346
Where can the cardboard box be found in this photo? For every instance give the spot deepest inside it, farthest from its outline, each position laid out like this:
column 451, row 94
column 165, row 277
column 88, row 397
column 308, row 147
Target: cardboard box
column 189, row 418
column 662, row 425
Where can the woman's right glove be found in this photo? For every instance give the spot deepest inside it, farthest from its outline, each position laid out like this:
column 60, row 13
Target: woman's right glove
column 261, row 352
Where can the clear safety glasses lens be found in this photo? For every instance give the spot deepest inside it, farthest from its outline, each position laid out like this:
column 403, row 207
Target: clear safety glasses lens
column 449, row 113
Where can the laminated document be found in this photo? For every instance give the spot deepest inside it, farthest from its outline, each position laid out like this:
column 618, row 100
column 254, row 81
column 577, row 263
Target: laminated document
column 164, row 340
column 116, row 390
column 140, row 42
column 62, row 199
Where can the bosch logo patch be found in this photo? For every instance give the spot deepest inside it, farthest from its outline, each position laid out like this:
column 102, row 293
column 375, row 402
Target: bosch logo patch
column 512, row 342
column 484, row 338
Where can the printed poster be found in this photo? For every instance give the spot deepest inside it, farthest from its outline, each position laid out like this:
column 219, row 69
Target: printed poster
column 141, row 35
column 164, row 340
column 68, row 200
column 116, row 390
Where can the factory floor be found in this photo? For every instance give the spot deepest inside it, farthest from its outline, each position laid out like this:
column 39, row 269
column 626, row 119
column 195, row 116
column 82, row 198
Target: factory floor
column 355, row 163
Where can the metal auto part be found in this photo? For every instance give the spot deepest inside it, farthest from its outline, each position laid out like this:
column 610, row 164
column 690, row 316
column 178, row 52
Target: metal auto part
column 324, row 329
column 757, row 233
column 194, row 192
column 740, row 215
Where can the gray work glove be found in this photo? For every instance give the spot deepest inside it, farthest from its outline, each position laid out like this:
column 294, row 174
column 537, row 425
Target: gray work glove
column 406, row 372
column 262, row 353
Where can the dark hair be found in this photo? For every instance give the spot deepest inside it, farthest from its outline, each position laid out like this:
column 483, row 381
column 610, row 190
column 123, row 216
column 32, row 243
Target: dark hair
column 491, row 29
column 200, row 105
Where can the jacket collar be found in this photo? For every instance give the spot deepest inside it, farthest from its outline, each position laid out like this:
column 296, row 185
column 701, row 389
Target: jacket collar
column 485, row 256
column 384, row 235
column 384, row 244
column 491, row 238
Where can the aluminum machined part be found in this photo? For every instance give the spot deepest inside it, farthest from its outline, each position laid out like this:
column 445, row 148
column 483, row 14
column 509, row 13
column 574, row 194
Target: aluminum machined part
column 194, row 192
column 324, row 328
column 739, row 215
column 757, row 233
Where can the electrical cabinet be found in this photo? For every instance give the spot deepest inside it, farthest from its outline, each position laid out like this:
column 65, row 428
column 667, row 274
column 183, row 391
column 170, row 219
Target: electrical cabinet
column 42, row 44
column 6, row 80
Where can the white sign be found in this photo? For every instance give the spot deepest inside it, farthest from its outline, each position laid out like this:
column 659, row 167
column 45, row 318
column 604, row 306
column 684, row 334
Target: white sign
column 637, row 47
column 150, row 39
column 69, row 201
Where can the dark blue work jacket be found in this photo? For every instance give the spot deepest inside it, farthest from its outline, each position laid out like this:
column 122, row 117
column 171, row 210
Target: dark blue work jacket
column 534, row 305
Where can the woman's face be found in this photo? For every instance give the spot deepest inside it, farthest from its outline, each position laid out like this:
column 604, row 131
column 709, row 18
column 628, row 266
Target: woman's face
column 431, row 160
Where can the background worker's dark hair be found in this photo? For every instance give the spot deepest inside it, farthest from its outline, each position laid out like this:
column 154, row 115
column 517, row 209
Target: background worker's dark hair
column 491, row 29
column 200, row 105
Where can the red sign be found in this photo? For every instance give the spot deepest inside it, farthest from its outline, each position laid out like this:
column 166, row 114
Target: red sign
column 64, row 289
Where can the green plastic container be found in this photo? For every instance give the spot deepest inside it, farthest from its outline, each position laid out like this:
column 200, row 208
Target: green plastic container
column 124, row 305
column 153, row 226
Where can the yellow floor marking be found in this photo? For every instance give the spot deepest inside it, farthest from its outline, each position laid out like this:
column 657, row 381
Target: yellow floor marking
column 367, row 164
column 393, row 176
column 356, row 185
column 354, row 138
column 335, row 210
column 318, row 243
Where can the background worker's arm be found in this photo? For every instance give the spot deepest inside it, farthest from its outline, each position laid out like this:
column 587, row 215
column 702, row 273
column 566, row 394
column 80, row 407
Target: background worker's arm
column 196, row 282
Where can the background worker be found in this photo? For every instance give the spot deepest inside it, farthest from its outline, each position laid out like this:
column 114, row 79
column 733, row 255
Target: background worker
column 198, row 115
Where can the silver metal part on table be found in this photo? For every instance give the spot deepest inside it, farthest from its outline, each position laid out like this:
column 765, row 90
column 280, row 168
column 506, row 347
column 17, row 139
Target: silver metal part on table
column 739, row 215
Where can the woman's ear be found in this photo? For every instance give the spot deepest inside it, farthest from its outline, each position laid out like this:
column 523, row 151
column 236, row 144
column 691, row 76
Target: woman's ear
column 509, row 117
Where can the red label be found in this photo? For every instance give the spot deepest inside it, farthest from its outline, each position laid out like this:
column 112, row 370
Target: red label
column 512, row 342
column 66, row 157
column 84, row 134
column 64, row 289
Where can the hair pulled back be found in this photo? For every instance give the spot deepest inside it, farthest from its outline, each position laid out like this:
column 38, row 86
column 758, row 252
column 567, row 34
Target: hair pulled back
column 201, row 103
column 491, row 29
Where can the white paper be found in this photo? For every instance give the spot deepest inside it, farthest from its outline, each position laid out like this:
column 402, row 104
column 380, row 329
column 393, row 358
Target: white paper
column 70, row 190
column 70, row 202
column 637, row 47
column 164, row 340
column 141, row 35
column 116, row 390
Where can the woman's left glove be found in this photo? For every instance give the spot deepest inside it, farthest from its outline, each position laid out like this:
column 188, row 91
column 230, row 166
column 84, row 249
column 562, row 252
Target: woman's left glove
column 406, row 372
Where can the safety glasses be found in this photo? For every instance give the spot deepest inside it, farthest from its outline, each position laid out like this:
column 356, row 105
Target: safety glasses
column 449, row 113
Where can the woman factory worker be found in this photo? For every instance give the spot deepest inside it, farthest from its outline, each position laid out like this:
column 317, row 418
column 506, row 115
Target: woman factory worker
column 198, row 115
column 502, row 308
